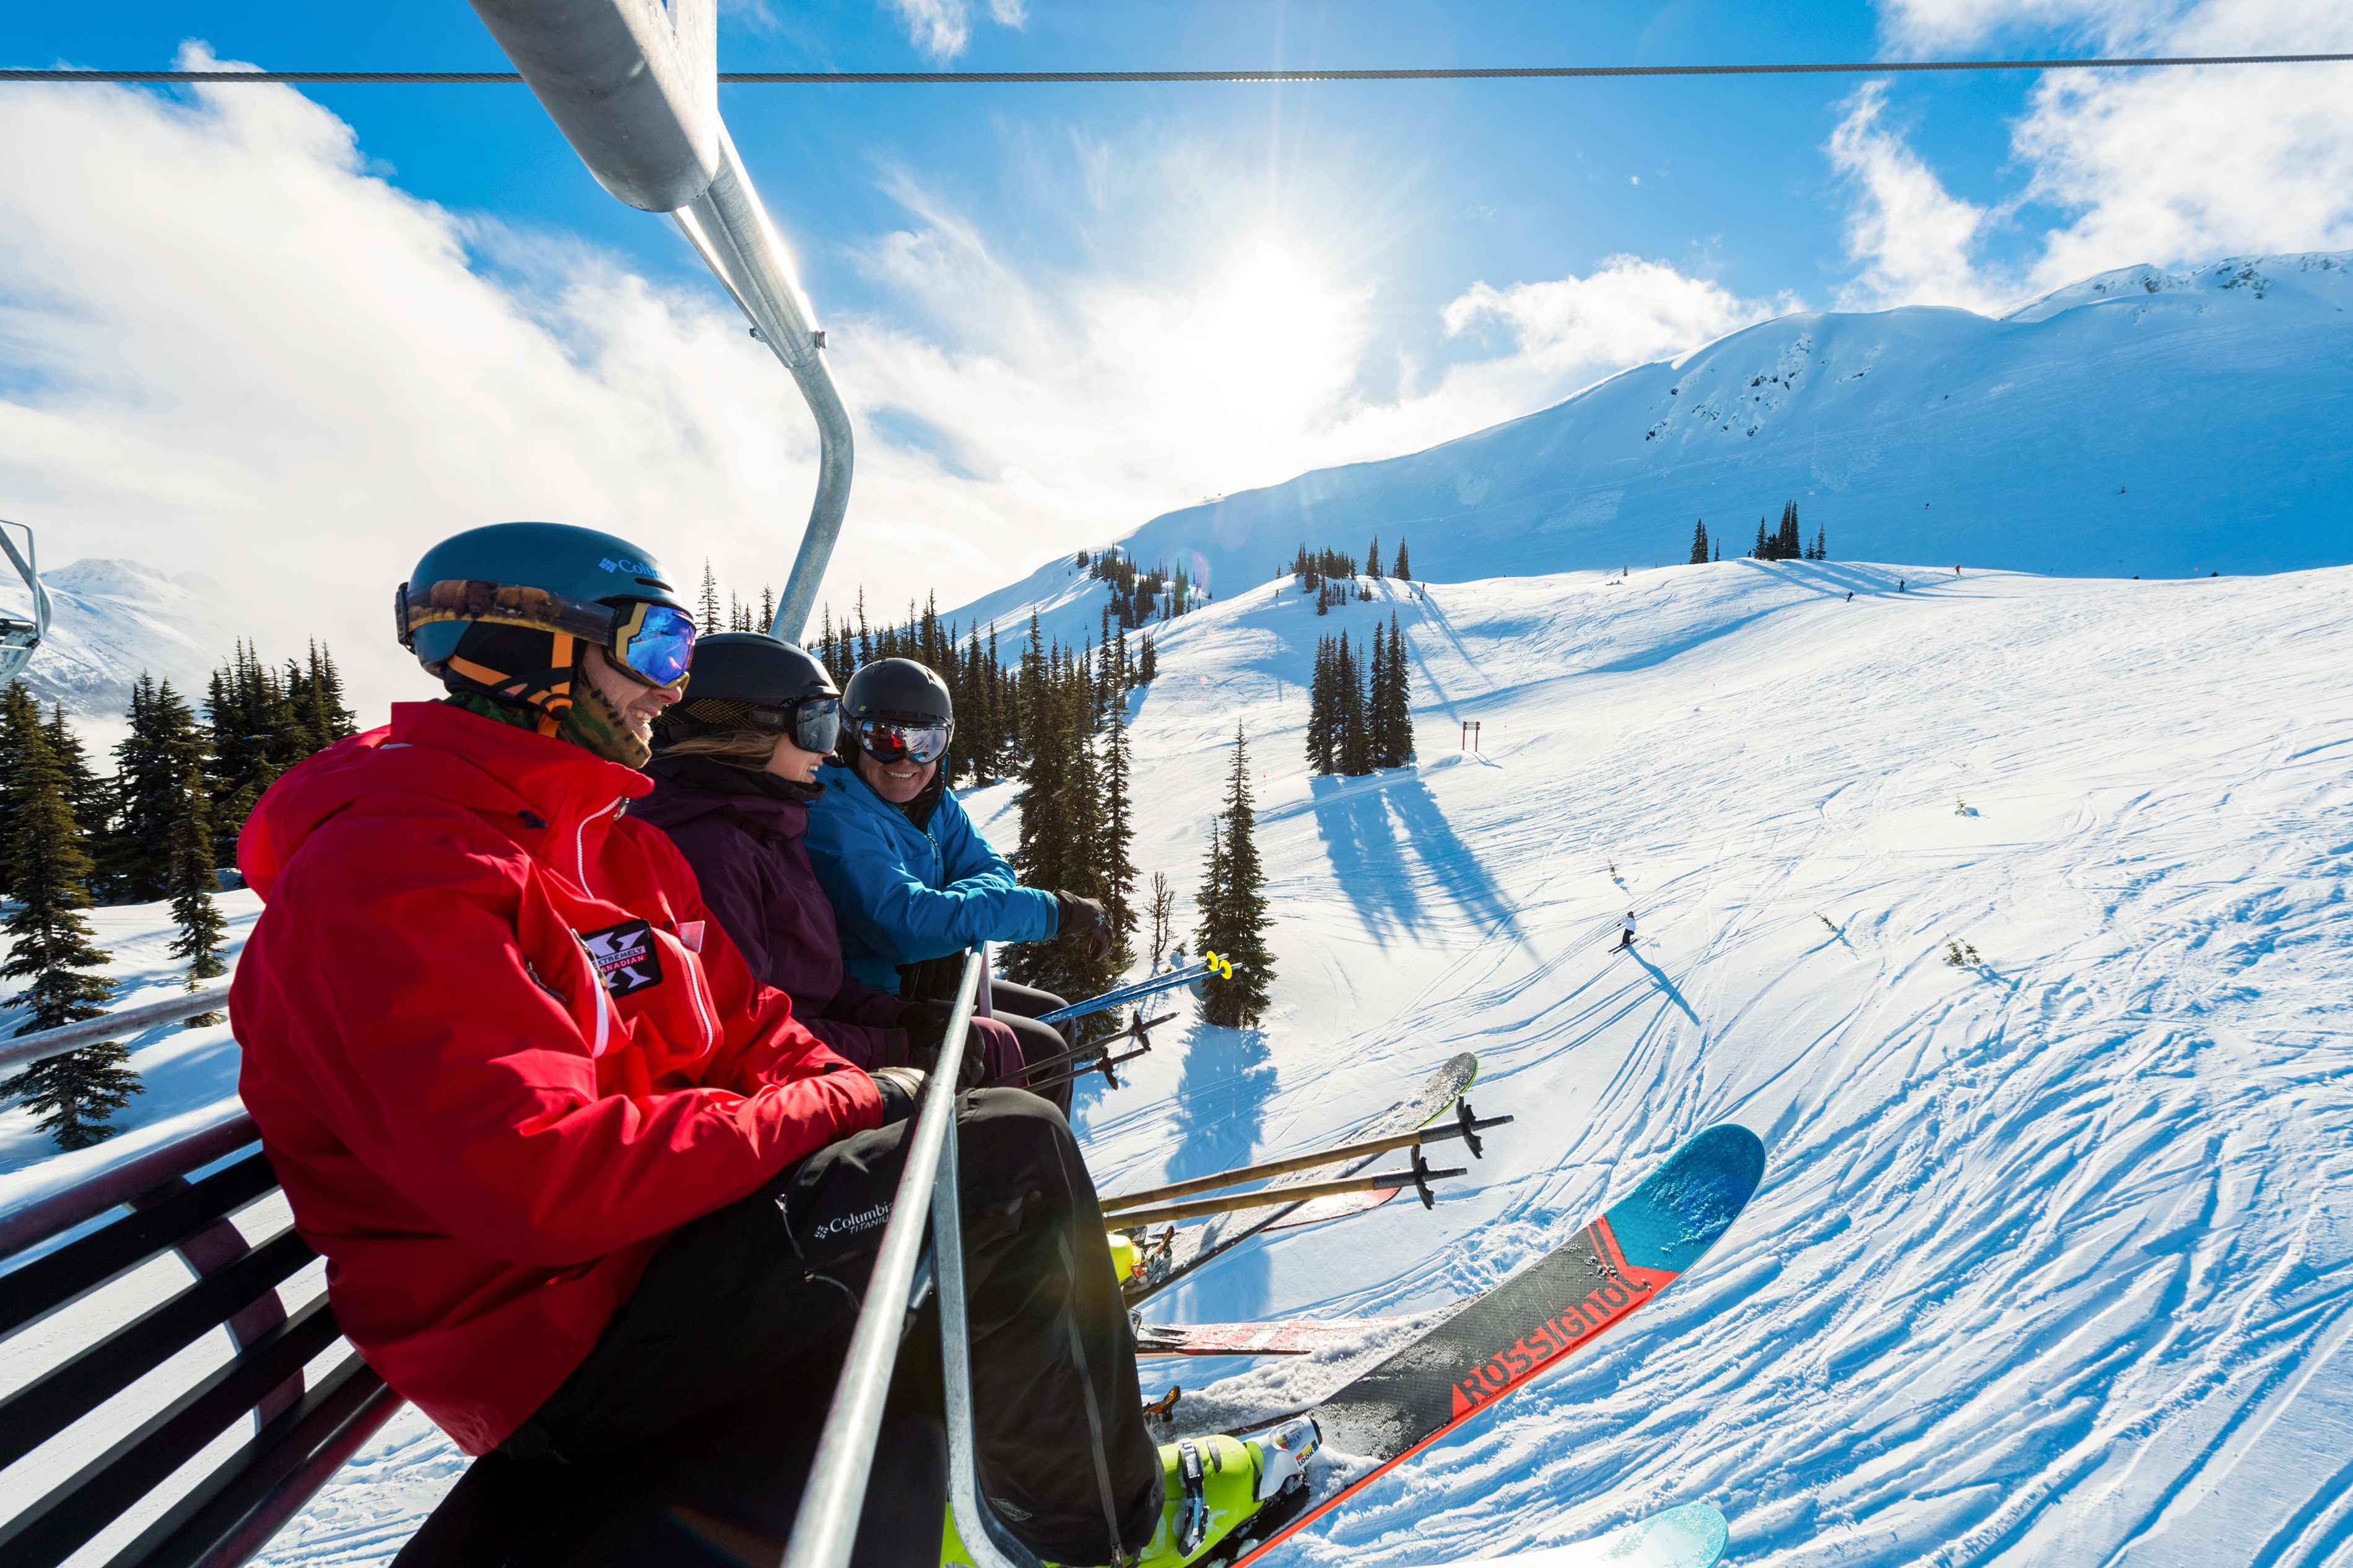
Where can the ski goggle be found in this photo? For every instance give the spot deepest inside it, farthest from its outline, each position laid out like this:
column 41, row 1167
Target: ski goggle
column 886, row 741
column 654, row 643
column 813, row 723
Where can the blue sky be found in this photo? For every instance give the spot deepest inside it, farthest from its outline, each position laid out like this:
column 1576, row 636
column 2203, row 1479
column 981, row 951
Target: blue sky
column 1416, row 190
column 284, row 336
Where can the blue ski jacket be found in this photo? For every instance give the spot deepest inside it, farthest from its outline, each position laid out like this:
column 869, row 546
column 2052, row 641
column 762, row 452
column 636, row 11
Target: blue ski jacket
column 904, row 893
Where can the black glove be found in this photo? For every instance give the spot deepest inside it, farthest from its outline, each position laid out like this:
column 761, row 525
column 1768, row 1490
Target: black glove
column 1087, row 920
column 927, row 1024
column 903, row 1092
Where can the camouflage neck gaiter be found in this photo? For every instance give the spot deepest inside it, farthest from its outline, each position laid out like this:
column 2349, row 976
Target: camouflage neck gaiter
column 510, row 713
column 590, row 722
column 594, row 724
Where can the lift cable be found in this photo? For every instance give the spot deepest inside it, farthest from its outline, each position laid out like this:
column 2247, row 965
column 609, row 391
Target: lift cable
column 1477, row 73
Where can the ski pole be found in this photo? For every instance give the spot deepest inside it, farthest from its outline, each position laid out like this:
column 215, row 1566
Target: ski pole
column 1466, row 1126
column 1418, row 1177
column 1120, row 995
column 1096, row 1049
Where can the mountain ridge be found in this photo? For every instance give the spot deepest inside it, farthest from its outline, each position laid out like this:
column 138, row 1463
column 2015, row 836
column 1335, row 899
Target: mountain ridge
column 2138, row 422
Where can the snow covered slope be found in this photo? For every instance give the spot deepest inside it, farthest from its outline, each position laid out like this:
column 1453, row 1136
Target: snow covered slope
column 2054, row 1256
column 112, row 620
column 2134, row 423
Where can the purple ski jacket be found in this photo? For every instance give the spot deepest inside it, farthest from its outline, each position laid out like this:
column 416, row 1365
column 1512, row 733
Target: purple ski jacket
column 744, row 844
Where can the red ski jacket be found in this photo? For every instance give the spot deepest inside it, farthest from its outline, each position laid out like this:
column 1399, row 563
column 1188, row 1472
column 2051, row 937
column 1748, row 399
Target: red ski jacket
column 499, row 1051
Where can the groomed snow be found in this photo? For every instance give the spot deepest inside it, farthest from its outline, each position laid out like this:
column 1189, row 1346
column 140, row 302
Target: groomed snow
column 2051, row 1265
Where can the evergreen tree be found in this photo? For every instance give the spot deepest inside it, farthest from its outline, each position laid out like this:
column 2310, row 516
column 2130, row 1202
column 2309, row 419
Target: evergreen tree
column 1373, row 559
column 1321, row 751
column 1354, row 733
column 1392, row 700
column 193, row 879
column 88, row 796
column 1404, row 573
column 1699, row 543
column 1233, row 907
column 1786, row 547
column 316, row 692
column 1113, row 851
column 1147, row 665
column 1042, row 832
column 999, row 707
column 1821, row 544
column 257, row 736
column 1064, row 821
column 1764, row 550
column 709, row 618
column 163, row 742
column 767, row 609
column 20, row 729
column 51, row 946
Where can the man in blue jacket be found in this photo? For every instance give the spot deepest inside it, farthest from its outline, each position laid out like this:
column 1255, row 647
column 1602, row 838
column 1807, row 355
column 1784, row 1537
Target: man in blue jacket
column 910, row 876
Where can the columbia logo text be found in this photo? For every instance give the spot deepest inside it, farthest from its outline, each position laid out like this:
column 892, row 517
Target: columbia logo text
column 850, row 1223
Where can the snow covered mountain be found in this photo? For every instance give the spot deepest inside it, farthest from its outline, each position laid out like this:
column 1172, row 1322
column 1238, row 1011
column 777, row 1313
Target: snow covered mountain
column 112, row 620
column 2138, row 422
column 2053, row 1262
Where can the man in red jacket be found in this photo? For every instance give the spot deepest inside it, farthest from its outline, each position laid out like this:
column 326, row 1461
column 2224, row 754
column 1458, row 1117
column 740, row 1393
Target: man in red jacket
column 590, row 1197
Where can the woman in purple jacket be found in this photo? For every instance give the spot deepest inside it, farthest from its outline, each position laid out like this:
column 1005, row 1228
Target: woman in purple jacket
column 733, row 769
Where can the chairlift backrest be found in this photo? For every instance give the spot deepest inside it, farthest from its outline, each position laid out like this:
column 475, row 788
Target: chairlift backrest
column 19, row 638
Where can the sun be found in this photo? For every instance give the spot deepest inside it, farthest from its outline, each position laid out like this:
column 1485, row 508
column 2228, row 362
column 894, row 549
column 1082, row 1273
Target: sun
column 1285, row 339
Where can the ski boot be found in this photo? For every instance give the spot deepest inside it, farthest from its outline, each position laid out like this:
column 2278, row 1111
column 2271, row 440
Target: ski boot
column 1214, row 1486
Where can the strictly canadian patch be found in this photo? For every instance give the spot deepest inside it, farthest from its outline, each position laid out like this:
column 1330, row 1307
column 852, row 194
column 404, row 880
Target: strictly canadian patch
column 624, row 957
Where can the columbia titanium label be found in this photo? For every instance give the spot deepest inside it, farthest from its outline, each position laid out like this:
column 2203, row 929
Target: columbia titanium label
column 852, row 1224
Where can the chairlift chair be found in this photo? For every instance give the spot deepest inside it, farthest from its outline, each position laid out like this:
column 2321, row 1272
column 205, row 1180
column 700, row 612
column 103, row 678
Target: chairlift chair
column 18, row 638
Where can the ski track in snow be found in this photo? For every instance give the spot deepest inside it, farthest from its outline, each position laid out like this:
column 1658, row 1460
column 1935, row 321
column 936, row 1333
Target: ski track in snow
column 2053, row 1255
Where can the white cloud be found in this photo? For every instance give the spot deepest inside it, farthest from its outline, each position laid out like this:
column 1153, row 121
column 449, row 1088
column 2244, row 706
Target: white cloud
column 2169, row 166
column 1914, row 238
column 2187, row 166
column 254, row 359
column 1568, row 329
column 943, row 28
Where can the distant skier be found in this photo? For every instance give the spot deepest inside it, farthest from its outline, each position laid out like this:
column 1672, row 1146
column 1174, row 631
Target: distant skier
column 1957, row 570
column 1899, row 587
column 1625, row 932
column 1850, row 595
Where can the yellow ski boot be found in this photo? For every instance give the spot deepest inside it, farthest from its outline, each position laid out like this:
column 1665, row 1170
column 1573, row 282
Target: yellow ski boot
column 1213, row 1486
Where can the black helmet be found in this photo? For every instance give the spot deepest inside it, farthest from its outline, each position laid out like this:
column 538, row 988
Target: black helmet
column 899, row 690
column 896, row 708
column 750, row 680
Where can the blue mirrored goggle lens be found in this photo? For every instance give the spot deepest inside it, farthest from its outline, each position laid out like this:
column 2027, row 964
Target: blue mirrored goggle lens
column 662, row 645
column 887, row 742
column 816, row 724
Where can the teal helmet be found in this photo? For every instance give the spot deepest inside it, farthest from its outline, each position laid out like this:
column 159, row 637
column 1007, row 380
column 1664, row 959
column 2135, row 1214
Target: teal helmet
column 506, row 610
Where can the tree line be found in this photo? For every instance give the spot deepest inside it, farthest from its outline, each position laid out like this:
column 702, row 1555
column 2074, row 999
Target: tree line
column 995, row 716
column 157, row 828
column 1782, row 544
column 1056, row 719
column 1333, row 577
